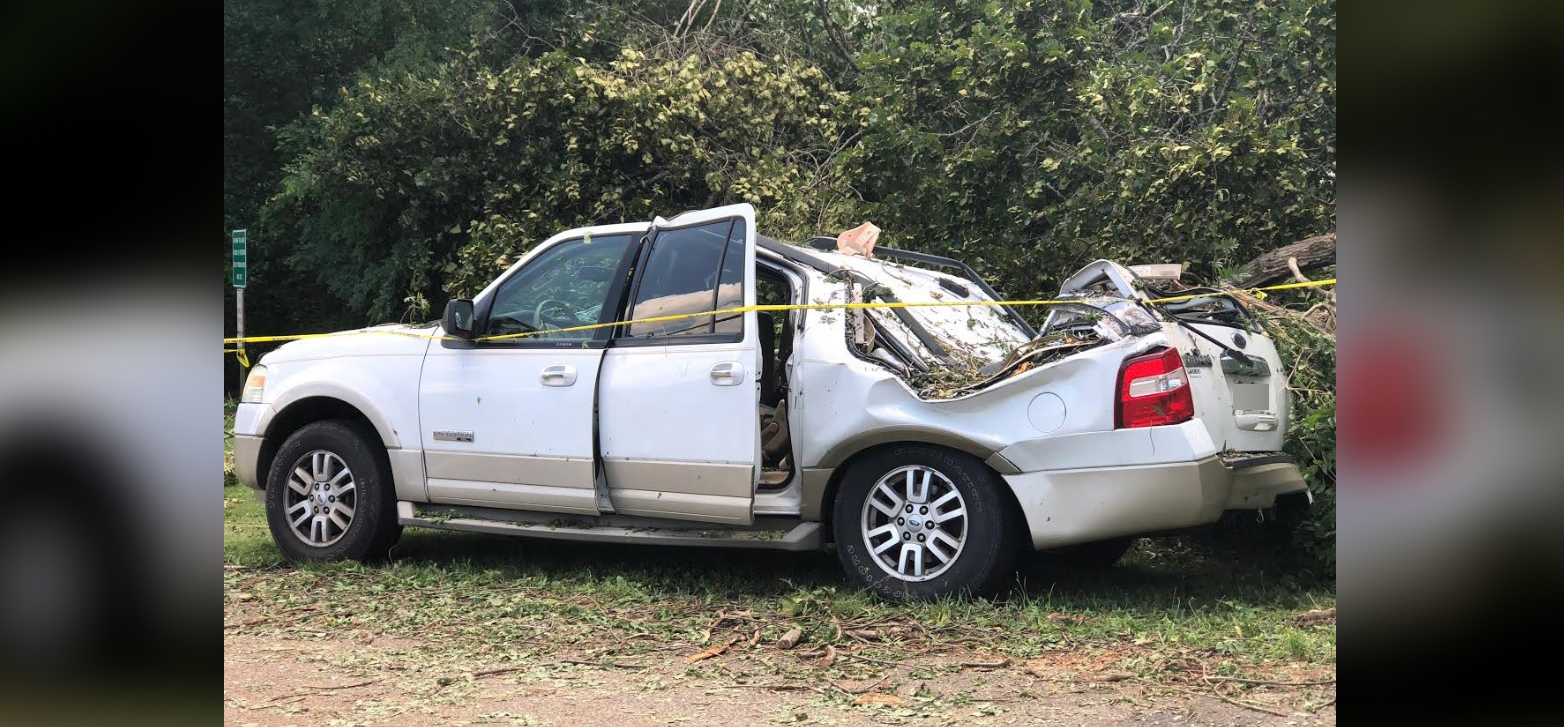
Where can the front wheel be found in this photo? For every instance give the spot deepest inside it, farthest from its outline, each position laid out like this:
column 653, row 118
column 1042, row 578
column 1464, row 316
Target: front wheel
column 916, row 522
column 329, row 495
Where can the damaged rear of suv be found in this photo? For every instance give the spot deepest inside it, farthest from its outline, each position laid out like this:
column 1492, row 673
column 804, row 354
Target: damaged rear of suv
column 689, row 381
column 1119, row 418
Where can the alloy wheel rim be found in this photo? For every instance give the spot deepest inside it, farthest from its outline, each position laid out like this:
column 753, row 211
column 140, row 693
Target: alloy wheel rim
column 320, row 498
column 914, row 523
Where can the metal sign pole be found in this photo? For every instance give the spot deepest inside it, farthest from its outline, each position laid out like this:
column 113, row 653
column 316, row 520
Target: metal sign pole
column 241, row 279
column 239, row 300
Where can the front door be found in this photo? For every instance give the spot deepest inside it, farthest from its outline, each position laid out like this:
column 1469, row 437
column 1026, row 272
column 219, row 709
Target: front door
column 509, row 423
column 679, row 401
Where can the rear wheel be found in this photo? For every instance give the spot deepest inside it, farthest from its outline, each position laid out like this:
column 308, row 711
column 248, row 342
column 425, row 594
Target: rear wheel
column 329, row 495
column 916, row 522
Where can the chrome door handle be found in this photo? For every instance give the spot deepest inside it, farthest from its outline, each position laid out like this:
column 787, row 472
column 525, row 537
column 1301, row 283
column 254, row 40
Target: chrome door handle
column 727, row 373
column 560, row 375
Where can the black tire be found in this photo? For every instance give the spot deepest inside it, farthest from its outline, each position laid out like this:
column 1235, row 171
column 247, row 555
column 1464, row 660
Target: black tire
column 1100, row 555
column 372, row 528
column 984, row 561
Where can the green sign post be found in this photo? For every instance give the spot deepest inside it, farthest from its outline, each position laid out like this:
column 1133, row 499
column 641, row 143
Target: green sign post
column 241, row 258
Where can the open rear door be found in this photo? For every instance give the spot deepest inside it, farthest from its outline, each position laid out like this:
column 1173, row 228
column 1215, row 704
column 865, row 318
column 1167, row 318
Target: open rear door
column 678, row 403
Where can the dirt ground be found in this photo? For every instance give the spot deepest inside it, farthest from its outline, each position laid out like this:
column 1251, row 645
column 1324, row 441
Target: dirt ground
column 342, row 679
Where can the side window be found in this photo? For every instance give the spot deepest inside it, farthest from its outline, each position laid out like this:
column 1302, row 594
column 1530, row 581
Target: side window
column 689, row 270
column 730, row 285
column 565, row 286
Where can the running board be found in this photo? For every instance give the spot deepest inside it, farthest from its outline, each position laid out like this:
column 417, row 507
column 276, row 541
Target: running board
column 799, row 536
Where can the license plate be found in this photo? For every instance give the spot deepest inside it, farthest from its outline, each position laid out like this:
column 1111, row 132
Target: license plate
column 1250, row 395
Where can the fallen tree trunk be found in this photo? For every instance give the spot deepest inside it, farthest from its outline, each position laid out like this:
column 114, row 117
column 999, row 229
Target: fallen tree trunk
column 1287, row 264
column 1272, row 267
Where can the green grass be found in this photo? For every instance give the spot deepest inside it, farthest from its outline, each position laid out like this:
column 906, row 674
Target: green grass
column 228, row 443
column 1169, row 600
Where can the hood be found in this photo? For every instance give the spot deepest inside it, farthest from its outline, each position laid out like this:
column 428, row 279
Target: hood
column 390, row 339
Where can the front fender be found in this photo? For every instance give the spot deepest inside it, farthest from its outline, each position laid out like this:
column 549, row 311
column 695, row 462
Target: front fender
column 386, row 392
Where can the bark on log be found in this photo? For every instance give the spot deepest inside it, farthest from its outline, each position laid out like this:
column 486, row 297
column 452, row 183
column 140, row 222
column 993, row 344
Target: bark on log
column 1315, row 252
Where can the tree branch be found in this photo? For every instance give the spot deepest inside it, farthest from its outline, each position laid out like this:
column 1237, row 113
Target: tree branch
column 1314, row 252
column 836, row 39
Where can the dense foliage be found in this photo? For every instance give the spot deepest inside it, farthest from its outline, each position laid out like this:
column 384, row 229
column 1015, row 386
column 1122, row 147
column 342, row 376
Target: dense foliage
column 1310, row 354
column 387, row 155
column 1302, row 324
column 416, row 145
column 429, row 185
column 1036, row 138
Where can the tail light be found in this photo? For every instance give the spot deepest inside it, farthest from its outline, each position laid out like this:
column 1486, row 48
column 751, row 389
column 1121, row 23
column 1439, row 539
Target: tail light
column 1153, row 390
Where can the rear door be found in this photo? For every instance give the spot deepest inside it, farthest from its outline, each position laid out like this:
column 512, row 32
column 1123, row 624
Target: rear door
column 678, row 409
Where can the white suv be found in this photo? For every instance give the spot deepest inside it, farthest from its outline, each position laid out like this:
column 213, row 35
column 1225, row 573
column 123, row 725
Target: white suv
column 932, row 444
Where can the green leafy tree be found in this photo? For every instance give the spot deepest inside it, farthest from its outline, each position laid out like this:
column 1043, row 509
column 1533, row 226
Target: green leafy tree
column 1032, row 138
column 418, row 188
column 283, row 57
column 381, row 172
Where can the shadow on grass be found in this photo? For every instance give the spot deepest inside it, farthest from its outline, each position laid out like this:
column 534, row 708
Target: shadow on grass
column 1157, row 575
column 718, row 572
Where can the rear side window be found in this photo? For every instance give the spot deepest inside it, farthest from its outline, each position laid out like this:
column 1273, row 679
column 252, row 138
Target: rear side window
column 690, row 270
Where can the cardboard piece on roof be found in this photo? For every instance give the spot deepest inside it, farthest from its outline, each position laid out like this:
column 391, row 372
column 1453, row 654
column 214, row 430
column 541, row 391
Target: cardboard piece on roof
column 859, row 240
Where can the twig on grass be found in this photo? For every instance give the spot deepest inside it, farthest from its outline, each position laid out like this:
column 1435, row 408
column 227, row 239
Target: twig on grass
column 492, row 672
column 342, row 686
column 871, row 659
column 599, row 664
column 279, row 702
column 1269, row 682
column 1002, row 663
column 864, row 688
column 778, row 687
column 1223, row 697
column 576, row 662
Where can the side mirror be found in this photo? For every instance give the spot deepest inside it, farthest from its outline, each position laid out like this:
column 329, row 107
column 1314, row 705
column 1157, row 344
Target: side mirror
column 458, row 318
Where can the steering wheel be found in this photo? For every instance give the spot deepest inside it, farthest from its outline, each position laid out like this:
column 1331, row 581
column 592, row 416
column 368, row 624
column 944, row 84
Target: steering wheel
column 546, row 314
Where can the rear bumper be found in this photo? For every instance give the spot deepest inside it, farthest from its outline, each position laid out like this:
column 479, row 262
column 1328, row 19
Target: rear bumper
column 1256, row 485
column 1065, row 507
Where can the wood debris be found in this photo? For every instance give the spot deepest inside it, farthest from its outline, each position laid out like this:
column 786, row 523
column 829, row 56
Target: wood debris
column 790, row 639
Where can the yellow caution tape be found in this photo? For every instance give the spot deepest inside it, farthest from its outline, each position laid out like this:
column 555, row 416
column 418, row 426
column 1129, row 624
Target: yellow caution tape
column 1258, row 292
